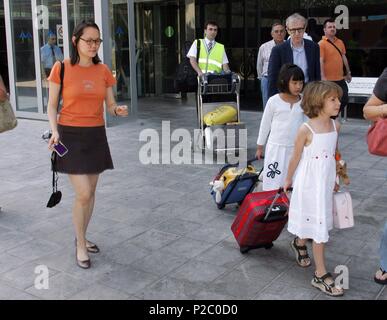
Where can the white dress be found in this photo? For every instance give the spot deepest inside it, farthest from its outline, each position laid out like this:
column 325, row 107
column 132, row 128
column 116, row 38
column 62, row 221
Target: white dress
column 279, row 126
column 311, row 204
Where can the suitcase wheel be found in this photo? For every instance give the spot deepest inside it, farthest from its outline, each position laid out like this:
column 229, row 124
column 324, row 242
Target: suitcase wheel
column 244, row 250
column 220, row 206
column 268, row 246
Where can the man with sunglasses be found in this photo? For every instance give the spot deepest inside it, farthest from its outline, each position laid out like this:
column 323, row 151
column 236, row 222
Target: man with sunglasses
column 278, row 35
column 296, row 50
column 212, row 56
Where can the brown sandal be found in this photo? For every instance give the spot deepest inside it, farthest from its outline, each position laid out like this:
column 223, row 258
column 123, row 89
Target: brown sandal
column 93, row 248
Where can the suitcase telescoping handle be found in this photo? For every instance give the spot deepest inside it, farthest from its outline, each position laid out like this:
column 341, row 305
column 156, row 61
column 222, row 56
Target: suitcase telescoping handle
column 280, row 190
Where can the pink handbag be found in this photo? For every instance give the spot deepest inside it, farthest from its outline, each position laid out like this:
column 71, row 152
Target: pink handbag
column 377, row 138
column 342, row 210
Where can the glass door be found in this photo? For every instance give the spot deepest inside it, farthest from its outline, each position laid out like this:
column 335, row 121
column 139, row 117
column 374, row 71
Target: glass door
column 120, row 49
column 157, row 34
column 50, row 41
column 23, row 89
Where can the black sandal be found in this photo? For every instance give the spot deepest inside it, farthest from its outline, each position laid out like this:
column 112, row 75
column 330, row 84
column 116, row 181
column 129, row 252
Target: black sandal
column 299, row 257
column 319, row 283
column 380, row 281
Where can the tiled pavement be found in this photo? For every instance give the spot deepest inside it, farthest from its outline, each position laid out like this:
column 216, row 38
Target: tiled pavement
column 161, row 236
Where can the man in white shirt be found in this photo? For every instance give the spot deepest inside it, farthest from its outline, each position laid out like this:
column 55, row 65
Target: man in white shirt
column 210, row 30
column 278, row 35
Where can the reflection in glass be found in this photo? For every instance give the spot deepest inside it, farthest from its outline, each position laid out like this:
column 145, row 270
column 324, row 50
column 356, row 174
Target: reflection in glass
column 50, row 42
column 120, row 49
column 23, row 56
column 79, row 10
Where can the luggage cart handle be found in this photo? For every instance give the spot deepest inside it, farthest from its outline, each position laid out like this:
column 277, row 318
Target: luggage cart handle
column 280, row 190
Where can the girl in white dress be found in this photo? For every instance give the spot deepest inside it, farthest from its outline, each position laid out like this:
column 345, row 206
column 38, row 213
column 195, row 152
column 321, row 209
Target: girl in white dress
column 280, row 121
column 311, row 204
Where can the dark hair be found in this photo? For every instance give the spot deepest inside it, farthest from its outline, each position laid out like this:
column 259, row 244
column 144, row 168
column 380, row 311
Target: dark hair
column 77, row 33
column 289, row 72
column 276, row 23
column 330, row 20
column 211, row 22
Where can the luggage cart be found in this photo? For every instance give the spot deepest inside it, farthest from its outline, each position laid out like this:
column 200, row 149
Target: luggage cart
column 215, row 90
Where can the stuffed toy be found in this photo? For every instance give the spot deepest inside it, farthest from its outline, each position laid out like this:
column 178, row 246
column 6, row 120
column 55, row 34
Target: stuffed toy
column 217, row 187
column 341, row 170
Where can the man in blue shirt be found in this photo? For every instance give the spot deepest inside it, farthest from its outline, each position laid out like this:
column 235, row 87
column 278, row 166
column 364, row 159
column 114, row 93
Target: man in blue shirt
column 49, row 54
column 297, row 50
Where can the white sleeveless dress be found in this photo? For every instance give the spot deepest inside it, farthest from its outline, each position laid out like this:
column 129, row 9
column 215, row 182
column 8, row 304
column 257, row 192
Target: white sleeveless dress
column 311, row 205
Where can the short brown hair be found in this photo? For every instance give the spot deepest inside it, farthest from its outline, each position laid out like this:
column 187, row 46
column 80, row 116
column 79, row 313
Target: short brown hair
column 276, row 23
column 315, row 94
column 212, row 23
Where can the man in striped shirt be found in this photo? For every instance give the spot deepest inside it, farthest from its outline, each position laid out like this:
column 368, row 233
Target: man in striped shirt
column 278, row 35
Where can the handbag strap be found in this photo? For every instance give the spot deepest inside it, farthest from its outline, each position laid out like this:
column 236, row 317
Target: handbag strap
column 341, row 54
column 62, row 67
column 54, row 172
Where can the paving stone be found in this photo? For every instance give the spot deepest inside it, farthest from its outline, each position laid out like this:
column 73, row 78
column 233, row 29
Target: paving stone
column 128, row 280
column 8, row 262
column 279, row 291
column 178, row 226
column 9, row 293
column 100, row 292
column 24, row 276
column 383, row 295
column 34, row 249
column 221, row 256
column 125, row 253
column 186, row 247
column 153, row 239
column 169, row 289
column 238, row 284
column 61, row 287
column 266, row 267
column 159, row 263
column 198, row 272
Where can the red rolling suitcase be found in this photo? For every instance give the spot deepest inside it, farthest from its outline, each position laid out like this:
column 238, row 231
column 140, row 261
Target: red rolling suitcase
column 260, row 219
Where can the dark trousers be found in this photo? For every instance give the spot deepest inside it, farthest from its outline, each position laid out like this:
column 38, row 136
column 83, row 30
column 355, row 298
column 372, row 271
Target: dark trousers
column 344, row 100
column 47, row 71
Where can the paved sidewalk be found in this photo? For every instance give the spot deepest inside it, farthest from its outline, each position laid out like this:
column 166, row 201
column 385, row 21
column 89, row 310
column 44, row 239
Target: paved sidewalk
column 160, row 233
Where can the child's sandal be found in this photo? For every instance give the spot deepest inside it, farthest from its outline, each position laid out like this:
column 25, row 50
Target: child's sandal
column 319, row 283
column 299, row 257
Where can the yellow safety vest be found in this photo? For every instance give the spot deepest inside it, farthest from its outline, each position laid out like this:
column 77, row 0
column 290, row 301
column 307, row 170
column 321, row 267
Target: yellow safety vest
column 211, row 62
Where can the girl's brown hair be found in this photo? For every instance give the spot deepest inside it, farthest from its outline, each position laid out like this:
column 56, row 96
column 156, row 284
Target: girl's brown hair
column 315, row 94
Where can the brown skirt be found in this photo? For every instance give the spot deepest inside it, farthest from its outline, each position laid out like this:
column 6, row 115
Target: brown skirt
column 88, row 150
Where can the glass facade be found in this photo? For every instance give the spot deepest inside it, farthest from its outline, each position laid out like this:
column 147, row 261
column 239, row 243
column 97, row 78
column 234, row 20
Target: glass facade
column 24, row 62
column 162, row 30
column 246, row 24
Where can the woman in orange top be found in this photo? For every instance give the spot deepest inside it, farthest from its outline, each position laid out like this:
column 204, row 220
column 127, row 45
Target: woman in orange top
column 81, row 126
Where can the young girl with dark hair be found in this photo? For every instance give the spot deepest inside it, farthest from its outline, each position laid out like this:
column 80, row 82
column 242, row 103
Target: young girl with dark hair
column 280, row 121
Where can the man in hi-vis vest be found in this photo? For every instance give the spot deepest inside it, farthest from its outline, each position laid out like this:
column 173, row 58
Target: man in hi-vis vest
column 212, row 56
